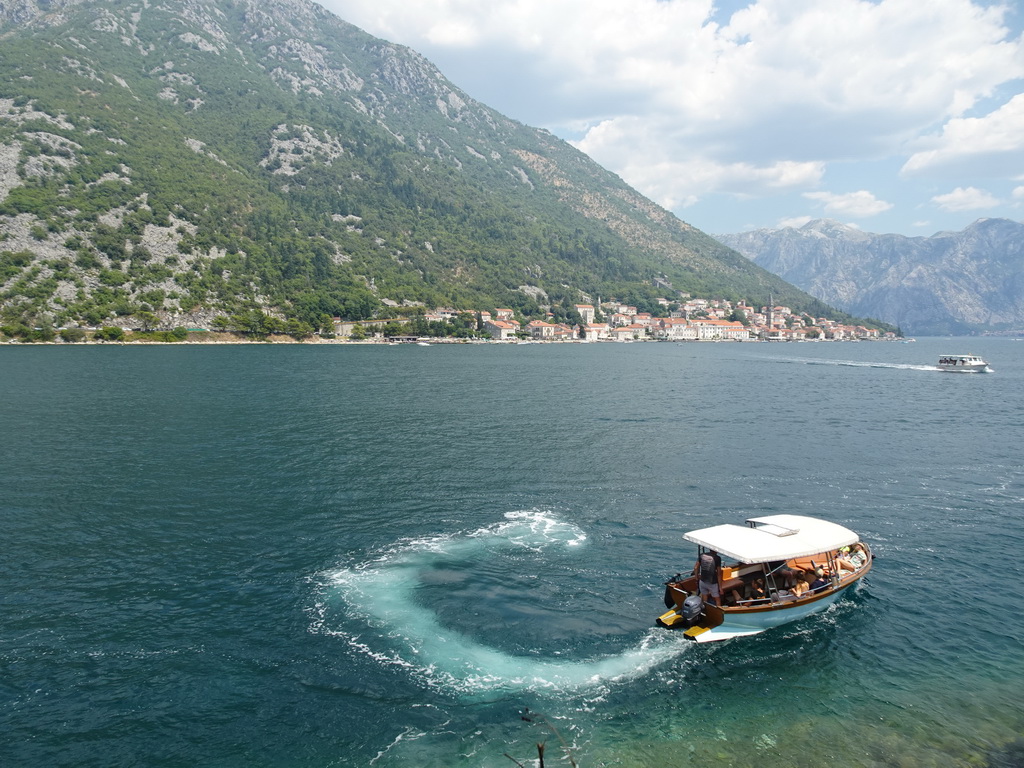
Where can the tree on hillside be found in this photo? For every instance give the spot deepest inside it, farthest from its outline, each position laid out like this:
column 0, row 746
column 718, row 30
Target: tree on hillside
column 148, row 320
column 739, row 316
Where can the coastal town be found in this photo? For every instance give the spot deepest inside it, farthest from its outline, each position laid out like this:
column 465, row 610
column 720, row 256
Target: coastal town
column 608, row 321
column 691, row 320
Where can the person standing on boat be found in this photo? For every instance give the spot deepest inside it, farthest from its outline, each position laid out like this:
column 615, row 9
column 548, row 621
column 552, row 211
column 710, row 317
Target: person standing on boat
column 709, row 569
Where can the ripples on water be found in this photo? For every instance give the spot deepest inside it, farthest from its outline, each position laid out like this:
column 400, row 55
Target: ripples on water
column 382, row 555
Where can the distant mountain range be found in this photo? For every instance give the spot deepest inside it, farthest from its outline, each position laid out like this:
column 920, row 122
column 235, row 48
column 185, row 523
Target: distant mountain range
column 190, row 158
column 950, row 283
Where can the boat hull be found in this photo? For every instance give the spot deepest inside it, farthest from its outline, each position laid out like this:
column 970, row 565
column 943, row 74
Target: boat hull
column 754, row 621
column 965, row 369
column 722, row 624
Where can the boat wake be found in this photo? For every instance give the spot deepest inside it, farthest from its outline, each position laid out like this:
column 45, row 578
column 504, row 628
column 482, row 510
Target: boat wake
column 860, row 364
column 384, row 622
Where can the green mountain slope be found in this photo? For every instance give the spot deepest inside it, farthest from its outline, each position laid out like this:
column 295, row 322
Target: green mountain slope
column 191, row 158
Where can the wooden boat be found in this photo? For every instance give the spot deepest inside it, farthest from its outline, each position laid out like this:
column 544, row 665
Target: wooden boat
column 777, row 549
column 963, row 364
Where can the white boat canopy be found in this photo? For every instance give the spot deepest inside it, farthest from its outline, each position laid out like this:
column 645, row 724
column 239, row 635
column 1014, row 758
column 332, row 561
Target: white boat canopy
column 775, row 537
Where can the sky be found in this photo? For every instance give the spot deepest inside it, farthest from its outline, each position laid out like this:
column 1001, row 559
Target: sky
column 901, row 116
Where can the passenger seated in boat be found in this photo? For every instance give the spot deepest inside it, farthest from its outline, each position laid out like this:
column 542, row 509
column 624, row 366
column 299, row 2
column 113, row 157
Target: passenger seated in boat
column 752, row 592
column 843, row 562
column 851, row 561
column 820, row 582
column 860, row 555
column 795, row 592
column 799, row 587
column 782, row 570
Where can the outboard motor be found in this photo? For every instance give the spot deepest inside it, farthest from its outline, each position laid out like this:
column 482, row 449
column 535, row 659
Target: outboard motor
column 693, row 609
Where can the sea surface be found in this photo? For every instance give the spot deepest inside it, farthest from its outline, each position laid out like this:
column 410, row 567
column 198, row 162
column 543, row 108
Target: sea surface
column 440, row 556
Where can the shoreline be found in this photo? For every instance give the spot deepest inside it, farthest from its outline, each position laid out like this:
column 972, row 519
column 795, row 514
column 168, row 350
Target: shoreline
column 426, row 341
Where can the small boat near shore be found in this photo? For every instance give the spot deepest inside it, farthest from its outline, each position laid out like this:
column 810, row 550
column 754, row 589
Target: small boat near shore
column 963, row 364
column 759, row 565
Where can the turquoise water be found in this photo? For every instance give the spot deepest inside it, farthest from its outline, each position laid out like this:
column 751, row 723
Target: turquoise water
column 331, row 555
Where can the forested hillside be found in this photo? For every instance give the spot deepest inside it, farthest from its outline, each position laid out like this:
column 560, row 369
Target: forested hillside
column 168, row 162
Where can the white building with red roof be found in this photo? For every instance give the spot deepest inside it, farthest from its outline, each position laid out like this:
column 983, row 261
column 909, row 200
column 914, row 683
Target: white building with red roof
column 713, row 329
column 675, row 329
column 595, row 331
column 501, row 330
column 586, row 311
column 538, row 329
column 628, row 332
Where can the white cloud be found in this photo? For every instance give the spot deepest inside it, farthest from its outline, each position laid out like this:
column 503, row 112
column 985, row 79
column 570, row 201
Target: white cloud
column 997, row 139
column 681, row 184
column 676, row 179
column 795, row 222
column 681, row 99
column 835, row 62
column 965, row 199
column 859, row 204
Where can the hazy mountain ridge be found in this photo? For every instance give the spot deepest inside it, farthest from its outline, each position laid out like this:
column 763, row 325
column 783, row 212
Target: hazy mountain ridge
column 949, row 283
column 198, row 157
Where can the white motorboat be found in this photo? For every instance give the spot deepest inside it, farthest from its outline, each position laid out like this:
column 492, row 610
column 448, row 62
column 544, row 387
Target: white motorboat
column 759, row 587
column 963, row 364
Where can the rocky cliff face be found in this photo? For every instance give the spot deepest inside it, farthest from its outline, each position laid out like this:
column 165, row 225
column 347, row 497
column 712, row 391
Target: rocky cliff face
column 949, row 283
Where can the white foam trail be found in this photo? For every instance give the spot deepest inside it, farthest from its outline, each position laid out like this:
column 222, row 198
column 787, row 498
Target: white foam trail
column 379, row 592
column 859, row 364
